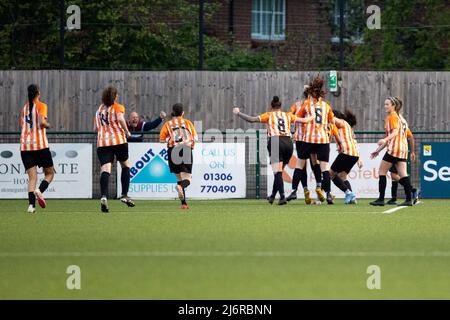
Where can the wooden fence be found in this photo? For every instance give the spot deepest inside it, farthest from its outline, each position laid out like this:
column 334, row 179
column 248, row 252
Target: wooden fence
column 73, row 96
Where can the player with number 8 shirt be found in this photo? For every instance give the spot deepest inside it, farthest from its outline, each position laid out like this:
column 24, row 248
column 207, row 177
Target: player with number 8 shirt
column 279, row 145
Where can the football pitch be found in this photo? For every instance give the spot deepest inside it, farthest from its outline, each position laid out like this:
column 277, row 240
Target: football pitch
column 227, row 249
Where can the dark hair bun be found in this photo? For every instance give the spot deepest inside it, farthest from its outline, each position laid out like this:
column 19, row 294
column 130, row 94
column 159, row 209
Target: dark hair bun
column 276, row 103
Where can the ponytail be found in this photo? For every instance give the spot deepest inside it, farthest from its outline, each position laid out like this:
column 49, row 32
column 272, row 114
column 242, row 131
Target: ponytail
column 315, row 88
column 399, row 104
column 33, row 92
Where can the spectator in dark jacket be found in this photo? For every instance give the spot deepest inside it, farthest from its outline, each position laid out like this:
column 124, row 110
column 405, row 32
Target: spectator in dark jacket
column 137, row 126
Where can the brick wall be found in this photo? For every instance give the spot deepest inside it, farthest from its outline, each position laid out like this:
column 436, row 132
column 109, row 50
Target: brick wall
column 242, row 22
column 307, row 31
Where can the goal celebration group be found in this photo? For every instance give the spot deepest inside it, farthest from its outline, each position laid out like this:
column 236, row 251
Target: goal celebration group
column 310, row 124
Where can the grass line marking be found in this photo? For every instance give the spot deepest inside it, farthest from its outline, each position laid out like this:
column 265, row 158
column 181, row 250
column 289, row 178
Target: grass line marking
column 395, row 209
column 226, row 254
column 399, row 208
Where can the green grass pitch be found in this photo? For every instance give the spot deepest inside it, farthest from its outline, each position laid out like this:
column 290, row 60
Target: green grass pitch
column 231, row 249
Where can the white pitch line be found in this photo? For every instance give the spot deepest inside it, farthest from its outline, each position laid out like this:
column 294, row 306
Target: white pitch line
column 293, row 254
column 399, row 208
column 395, row 209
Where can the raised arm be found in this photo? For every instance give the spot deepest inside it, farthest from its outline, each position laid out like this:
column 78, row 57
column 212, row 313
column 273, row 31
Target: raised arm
column 244, row 116
column 152, row 125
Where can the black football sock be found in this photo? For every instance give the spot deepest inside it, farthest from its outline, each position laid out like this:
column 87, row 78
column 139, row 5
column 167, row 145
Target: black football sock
column 326, row 184
column 340, row 184
column 184, row 184
column 31, row 199
column 348, row 185
column 406, row 183
column 296, row 179
column 394, row 189
column 280, row 185
column 43, row 186
column 304, row 178
column 274, row 188
column 183, row 199
column 125, row 181
column 382, row 187
column 104, row 181
column 317, row 175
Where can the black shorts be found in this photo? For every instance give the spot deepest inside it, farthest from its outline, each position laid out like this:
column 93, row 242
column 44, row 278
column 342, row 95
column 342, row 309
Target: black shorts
column 106, row 154
column 391, row 159
column 284, row 152
column 298, row 147
column 41, row 158
column 321, row 149
column 344, row 163
column 180, row 159
column 393, row 169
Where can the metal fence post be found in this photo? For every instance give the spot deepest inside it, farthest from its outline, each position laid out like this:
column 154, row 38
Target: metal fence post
column 258, row 167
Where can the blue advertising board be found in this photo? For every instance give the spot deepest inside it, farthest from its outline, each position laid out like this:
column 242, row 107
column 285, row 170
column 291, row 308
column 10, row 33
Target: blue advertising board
column 435, row 169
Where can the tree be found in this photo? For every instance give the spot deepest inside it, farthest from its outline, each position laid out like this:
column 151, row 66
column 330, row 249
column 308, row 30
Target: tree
column 414, row 35
column 118, row 34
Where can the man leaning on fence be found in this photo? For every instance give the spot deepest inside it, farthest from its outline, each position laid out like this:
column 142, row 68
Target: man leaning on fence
column 138, row 126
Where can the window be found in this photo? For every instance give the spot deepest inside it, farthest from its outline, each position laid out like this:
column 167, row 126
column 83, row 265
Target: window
column 268, row 19
column 353, row 19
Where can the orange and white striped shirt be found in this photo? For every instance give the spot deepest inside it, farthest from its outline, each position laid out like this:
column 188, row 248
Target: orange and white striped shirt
column 405, row 125
column 109, row 131
column 398, row 147
column 316, row 131
column 348, row 141
column 409, row 134
column 32, row 136
column 278, row 123
column 178, row 131
column 295, row 109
